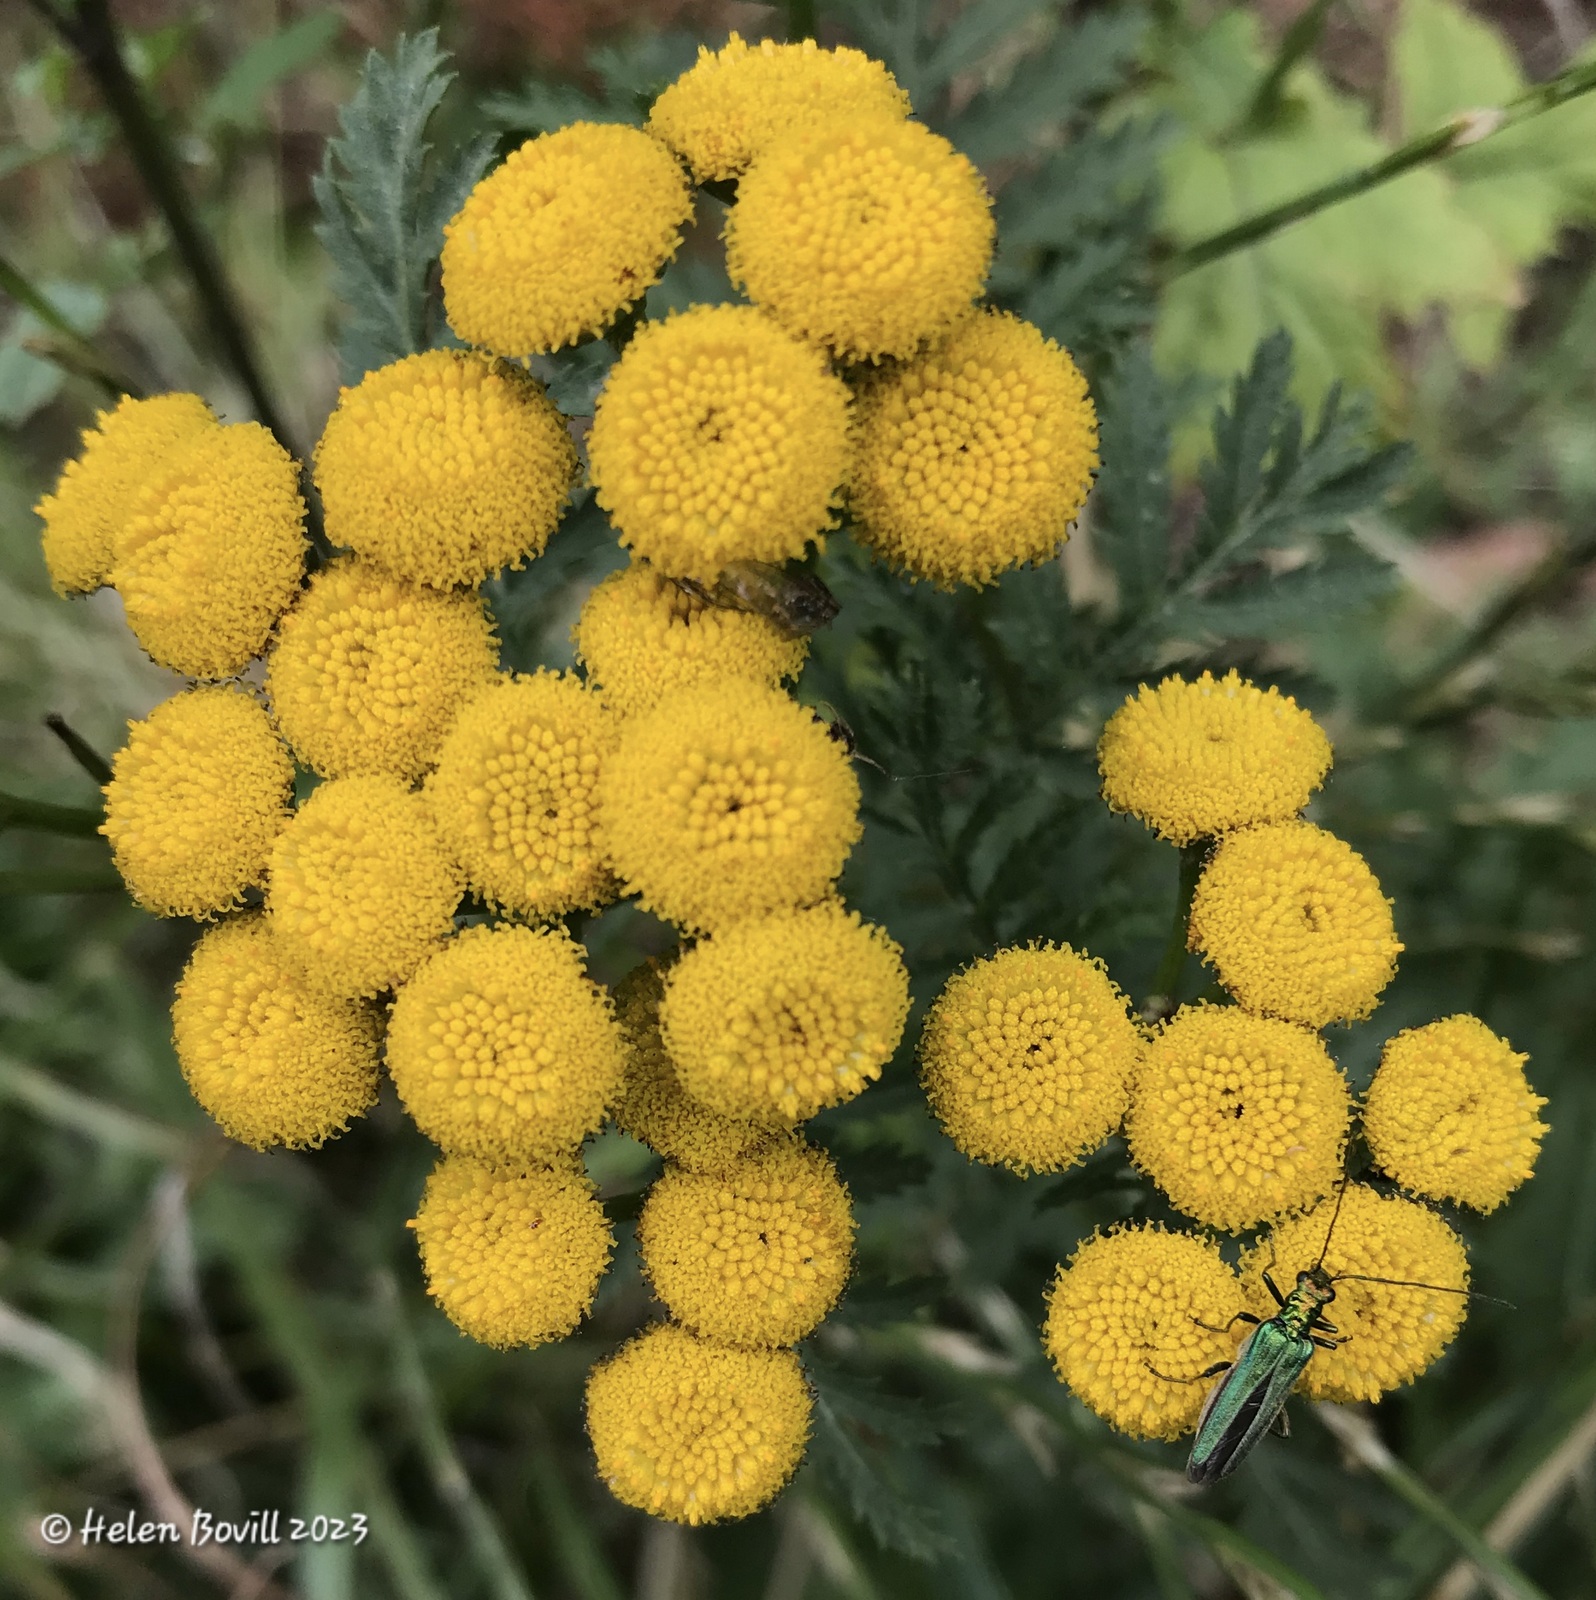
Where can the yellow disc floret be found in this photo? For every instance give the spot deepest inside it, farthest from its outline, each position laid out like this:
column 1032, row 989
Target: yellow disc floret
column 513, row 1257
column 369, row 670
column 1238, row 1118
column 756, row 1255
column 1451, row 1115
column 1126, row 1327
column 785, row 1014
column 445, row 467
column 974, row 457
column 212, row 551
column 1027, row 1057
column 1293, row 921
column 196, row 798
column 693, row 1431
column 863, row 234
column 272, row 1059
column 554, row 243
column 502, row 1048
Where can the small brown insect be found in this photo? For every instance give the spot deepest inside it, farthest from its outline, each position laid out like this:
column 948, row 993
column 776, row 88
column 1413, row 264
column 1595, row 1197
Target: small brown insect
column 797, row 602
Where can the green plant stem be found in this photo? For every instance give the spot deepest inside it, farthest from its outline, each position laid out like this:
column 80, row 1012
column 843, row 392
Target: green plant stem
column 1167, row 979
column 86, row 357
column 1300, row 38
column 579, row 1553
column 107, row 1125
column 81, row 750
column 41, row 816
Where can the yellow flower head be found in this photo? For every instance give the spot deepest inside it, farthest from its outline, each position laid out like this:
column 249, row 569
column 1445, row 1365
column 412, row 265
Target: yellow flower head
column 1388, row 1333
column 268, row 1056
column 513, row 793
column 361, row 886
column 1293, row 921
column 719, row 438
column 642, row 637
column 1027, row 1057
column 785, row 1014
column 444, row 467
column 725, row 802
column 693, row 1431
column 369, row 671
column 513, row 1257
column 503, row 1049
column 974, row 457
column 1238, row 1118
column 1191, row 759
column 91, row 500
column 756, row 1255
column 1451, row 1115
column 728, row 108
column 196, row 798
column 567, row 233
column 212, row 550
column 1125, row 1327
column 863, row 234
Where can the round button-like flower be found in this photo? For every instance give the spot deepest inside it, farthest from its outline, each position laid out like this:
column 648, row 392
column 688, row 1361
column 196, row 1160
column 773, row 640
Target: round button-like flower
column 864, row 234
column 564, row 235
column 212, row 550
column 95, row 492
column 369, row 671
column 514, row 793
column 445, row 467
column 1451, row 1115
column 974, row 457
column 268, row 1056
column 1027, row 1057
column 719, row 438
column 642, row 637
column 1238, row 1118
column 725, row 802
column 1387, row 1333
column 1134, row 1319
column 196, row 798
column 514, row 1258
column 693, row 1431
column 756, row 1255
column 734, row 102
column 502, row 1048
column 361, row 886
column 1191, row 759
column 1293, row 921
column 785, row 1014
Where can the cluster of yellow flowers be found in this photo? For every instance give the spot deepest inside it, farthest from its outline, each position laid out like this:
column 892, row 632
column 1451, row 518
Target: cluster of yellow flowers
column 1238, row 1113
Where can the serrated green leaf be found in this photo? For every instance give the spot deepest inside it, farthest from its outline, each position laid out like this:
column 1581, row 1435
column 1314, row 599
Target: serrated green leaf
column 975, row 31
column 1272, row 607
column 1131, row 505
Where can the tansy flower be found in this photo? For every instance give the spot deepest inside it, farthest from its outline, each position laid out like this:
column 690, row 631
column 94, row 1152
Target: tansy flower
column 642, row 637
column 693, row 1431
column 1027, row 1057
column 502, row 1048
column 268, row 1056
column 564, row 235
column 1387, row 1333
column 864, row 234
column 1451, row 1115
column 1293, row 921
column 212, row 550
column 733, row 102
column 1237, row 1118
column 1134, row 1319
column 974, row 457
column 94, row 493
column 785, row 1014
column 756, row 1255
column 513, row 1257
column 196, row 798
column 719, row 438
column 361, row 887
column 725, row 802
column 513, row 793
column 444, row 467
column 369, row 670
column 1191, row 759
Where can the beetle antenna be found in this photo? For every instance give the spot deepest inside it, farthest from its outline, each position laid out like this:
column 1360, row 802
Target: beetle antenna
column 1341, row 1195
column 1408, row 1283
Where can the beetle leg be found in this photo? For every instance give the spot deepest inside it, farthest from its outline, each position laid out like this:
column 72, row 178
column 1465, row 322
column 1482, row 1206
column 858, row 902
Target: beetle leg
column 1269, row 1284
column 1282, row 1424
column 1240, row 1316
column 1196, row 1377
